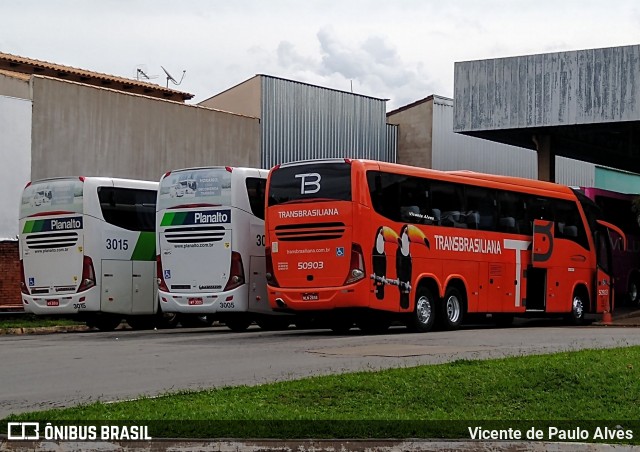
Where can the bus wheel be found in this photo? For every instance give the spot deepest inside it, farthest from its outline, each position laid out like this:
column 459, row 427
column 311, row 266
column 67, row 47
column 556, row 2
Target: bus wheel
column 452, row 311
column 167, row 319
column 577, row 310
column 273, row 322
column 105, row 322
column 423, row 316
column 238, row 324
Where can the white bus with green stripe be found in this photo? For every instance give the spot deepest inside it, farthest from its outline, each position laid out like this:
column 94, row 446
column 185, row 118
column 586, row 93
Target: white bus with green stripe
column 90, row 250
column 211, row 260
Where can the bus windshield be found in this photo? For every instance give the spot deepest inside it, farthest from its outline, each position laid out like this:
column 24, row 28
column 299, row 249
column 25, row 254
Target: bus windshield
column 324, row 182
column 63, row 195
column 209, row 186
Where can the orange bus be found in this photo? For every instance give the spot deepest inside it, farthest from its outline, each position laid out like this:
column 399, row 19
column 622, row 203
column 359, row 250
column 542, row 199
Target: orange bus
column 366, row 243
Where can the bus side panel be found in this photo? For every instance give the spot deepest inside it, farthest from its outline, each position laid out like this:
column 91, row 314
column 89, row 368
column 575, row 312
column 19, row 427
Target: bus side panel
column 117, row 285
column 143, row 296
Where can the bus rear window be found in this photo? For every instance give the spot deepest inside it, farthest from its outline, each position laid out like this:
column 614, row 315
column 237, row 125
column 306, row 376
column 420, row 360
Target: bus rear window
column 306, row 183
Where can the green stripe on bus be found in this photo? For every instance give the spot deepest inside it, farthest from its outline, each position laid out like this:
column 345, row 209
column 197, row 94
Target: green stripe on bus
column 33, row 226
column 173, row 218
column 145, row 249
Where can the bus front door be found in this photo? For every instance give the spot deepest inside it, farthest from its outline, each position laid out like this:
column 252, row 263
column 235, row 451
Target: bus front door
column 604, row 280
column 541, row 263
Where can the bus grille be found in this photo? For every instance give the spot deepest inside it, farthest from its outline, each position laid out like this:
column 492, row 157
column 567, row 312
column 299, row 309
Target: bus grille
column 310, row 231
column 51, row 240
column 194, row 234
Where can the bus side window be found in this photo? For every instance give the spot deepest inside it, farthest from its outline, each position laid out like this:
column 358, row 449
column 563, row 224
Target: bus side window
column 256, row 192
column 481, row 208
column 511, row 213
column 568, row 223
column 447, row 199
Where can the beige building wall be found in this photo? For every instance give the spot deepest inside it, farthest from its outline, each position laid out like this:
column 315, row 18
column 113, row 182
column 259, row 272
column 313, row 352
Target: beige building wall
column 84, row 130
column 243, row 98
column 415, row 133
column 14, row 85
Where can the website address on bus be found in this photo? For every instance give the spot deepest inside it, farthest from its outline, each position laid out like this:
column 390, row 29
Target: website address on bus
column 193, row 245
column 309, row 250
column 50, row 250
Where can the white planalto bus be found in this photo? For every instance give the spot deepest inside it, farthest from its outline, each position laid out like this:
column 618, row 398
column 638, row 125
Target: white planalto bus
column 211, row 259
column 90, row 250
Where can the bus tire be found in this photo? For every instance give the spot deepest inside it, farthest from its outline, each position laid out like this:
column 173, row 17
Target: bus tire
column 238, row 324
column 424, row 312
column 633, row 292
column 105, row 322
column 578, row 306
column 452, row 310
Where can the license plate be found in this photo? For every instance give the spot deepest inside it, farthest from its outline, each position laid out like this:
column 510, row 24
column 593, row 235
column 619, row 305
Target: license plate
column 310, row 297
column 195, row 301
column 53, row 302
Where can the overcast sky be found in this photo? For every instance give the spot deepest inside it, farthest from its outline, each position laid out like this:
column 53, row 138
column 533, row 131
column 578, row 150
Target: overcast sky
column 401, row 50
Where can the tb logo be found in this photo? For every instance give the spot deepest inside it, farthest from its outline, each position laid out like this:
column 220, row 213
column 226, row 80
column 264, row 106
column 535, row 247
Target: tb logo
column 310, row 183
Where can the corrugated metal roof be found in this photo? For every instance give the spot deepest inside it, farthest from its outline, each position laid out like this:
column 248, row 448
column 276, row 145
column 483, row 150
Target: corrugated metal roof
column 15, row 63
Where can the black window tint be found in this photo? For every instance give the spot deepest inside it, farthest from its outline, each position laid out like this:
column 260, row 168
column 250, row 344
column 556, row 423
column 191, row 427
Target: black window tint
column 511, row 214
column 619, row 212
column 568, row 223
column 481, row 208
column 128, row 208
column 446, row 203
column 400, row 198
column 317, row 182
column 255, row 191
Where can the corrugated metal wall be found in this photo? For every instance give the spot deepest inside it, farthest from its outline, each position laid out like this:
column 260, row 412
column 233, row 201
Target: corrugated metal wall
column 301, row 122
column 578, row 87
column 453, row 151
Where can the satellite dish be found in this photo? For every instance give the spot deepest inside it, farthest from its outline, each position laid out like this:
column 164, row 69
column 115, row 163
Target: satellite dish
column 170, row 77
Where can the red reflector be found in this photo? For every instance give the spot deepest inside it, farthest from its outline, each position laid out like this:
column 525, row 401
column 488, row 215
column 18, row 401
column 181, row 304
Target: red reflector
column 229, row 298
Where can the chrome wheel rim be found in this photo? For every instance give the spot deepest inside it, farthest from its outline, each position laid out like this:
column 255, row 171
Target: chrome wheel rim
column 578, row 308
column 423, row 310
column 453, row 309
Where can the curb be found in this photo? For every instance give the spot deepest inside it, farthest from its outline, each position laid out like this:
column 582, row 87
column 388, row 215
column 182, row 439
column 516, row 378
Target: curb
column 44, row 330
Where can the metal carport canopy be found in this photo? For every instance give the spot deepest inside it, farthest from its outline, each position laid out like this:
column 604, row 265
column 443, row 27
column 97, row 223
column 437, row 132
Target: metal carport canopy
column 581, row 104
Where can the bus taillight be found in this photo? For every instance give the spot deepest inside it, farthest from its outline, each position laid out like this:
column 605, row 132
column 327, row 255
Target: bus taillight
column 88, row 275
column 356, row 267
column 236, row 273
column 162, row 285
column 271, row 276
column 23, row 282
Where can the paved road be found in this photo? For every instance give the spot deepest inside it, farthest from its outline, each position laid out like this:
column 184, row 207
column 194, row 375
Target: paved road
column 44, row 371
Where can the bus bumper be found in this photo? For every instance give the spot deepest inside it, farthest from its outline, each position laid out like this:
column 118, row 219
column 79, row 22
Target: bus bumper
column 353, row 296
column 235, row 300
column 87, row 301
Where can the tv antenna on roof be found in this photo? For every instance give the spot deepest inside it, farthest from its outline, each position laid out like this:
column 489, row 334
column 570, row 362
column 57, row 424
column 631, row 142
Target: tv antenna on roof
column 170, row 77
column 141, row 73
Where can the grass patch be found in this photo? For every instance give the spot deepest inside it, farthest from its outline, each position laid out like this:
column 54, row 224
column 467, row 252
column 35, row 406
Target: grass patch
column 595, row 387
column 21, row 320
